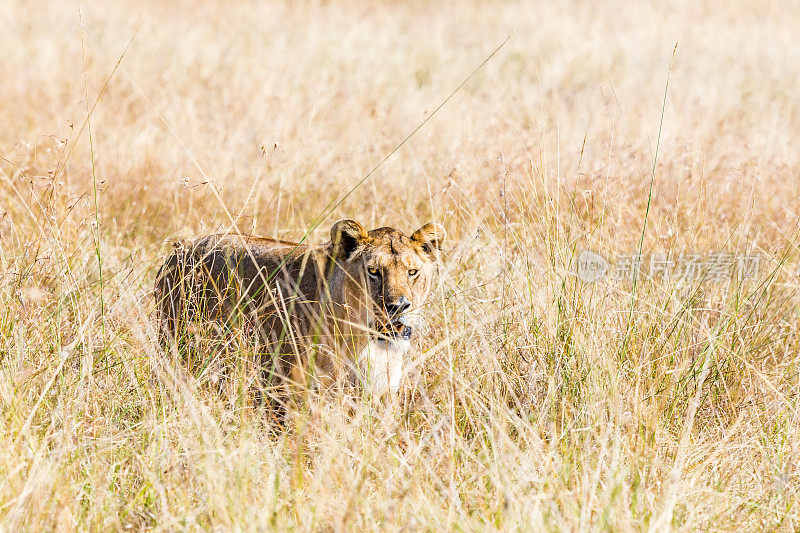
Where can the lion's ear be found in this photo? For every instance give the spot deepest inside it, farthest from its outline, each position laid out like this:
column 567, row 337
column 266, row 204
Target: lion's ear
column 430, row 236
column 347, row 235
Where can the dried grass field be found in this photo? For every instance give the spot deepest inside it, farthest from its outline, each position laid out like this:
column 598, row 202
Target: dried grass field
column 658, row 398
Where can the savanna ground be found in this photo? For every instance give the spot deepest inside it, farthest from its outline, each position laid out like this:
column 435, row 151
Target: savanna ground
column 538, row 401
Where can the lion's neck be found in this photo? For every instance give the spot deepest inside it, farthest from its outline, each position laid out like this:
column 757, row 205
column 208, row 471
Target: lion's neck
column 380, row 365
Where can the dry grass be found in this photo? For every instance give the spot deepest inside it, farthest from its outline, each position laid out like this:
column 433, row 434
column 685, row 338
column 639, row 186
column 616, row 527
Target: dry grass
column 542, row 402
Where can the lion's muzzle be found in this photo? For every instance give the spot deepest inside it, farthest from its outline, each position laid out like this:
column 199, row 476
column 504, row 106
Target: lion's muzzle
column 395, row 330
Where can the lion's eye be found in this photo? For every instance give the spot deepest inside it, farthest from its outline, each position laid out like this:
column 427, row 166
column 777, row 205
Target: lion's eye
column 413, row 272
column 374, row 272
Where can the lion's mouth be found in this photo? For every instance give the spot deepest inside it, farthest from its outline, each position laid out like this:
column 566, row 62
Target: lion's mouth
column 395, row 330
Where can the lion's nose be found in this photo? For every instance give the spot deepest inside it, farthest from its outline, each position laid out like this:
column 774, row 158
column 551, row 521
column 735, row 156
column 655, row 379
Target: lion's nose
column 398, row 307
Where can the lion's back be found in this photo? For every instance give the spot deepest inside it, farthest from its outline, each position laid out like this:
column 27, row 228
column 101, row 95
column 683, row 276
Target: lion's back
column 211, row 273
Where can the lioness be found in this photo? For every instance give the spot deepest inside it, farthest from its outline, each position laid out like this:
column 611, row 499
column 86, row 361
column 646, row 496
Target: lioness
column 344, row 311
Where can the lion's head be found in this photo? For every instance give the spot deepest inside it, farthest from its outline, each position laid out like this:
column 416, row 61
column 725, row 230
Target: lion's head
column 386, row 276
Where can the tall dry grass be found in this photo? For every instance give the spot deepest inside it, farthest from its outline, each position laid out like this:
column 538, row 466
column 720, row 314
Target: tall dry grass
column 537, row 401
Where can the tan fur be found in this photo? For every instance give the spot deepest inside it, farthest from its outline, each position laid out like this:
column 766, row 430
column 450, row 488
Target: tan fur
column 346, row 303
